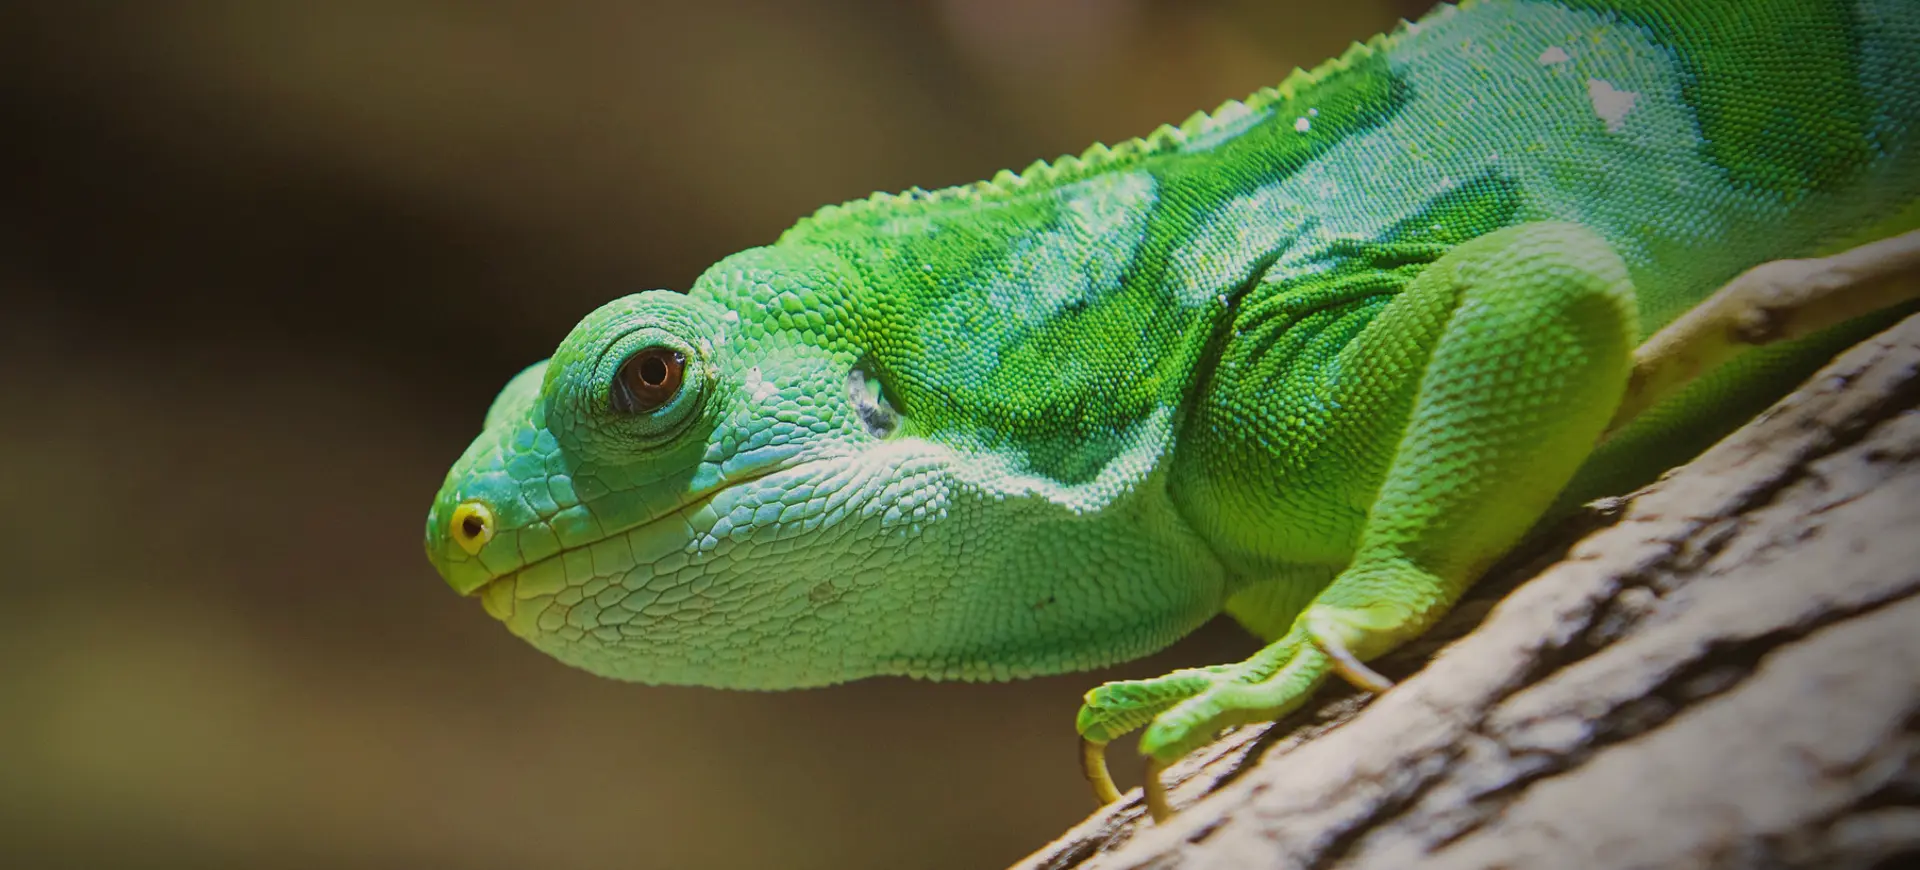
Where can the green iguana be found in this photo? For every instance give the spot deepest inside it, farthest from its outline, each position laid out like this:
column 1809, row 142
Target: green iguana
column 1315, row 359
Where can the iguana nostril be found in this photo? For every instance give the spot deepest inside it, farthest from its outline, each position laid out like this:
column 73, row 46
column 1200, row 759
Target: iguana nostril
column 472, row 526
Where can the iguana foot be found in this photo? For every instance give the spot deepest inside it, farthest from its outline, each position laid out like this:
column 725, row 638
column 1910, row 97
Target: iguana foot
column 1185, row 709
column 1117, row 708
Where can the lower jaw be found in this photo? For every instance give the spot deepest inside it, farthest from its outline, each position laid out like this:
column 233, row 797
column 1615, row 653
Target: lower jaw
column 497, row 598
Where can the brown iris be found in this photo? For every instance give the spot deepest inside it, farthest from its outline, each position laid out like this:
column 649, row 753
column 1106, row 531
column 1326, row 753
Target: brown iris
column 648, row 379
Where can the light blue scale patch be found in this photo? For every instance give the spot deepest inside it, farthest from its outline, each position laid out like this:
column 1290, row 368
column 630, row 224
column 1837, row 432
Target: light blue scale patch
column 1224, row 126
column 1584, row 111
column 1237, row 235
column 1074, row 262
column 1137, row 457
column 1100, row 224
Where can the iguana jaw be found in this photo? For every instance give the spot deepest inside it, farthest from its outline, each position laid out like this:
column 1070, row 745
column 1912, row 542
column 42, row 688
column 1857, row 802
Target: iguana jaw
column 498, row 594
column 616, row 638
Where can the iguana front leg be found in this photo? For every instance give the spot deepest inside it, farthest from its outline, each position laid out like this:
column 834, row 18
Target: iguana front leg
column 1527, row 335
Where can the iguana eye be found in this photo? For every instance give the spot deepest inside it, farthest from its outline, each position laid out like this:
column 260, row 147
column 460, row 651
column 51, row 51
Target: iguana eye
column 648, row 379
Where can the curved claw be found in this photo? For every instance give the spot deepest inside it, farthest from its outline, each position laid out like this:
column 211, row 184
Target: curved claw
column 1093, row 763
column 1347, row 665
column 1156, row 791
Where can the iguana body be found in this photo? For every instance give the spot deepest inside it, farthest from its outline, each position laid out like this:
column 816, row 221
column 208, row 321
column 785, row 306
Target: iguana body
column 1316, row 359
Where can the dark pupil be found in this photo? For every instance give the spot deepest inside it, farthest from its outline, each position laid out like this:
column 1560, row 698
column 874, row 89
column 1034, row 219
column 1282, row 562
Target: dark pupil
column 653, row 370
column 472, row 527
column 647, row 380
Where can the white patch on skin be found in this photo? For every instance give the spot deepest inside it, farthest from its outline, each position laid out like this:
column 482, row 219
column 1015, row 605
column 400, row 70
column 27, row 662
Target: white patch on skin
column 1004, row 475
column 1426, row 149
column 1610, row 104
column 1554, row 54
column 1115, row 207
column 1078, row 260
column 1102, row 221
column 908, row 225
column 1302, row 125
column 1542, row 142
column 1228, row 114
column 758, row 386
column 1224, row 127
column 1243, row 229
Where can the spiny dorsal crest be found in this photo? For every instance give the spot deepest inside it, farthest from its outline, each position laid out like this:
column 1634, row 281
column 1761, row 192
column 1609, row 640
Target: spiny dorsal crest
column 1098, row 157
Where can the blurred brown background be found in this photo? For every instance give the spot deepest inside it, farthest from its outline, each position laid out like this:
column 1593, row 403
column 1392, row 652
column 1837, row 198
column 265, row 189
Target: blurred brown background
column 265, row 262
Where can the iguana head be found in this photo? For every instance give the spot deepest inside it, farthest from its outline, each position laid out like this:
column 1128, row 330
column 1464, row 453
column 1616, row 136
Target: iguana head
column 785, row 478
column 687, row 490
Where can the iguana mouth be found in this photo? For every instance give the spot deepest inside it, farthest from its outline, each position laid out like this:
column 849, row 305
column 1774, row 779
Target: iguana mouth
column 498, row 594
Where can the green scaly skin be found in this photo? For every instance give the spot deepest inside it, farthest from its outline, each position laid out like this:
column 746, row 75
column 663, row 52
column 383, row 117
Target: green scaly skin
column 1315, row 359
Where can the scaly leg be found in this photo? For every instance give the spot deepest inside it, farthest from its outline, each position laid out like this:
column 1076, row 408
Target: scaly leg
column 1520, row 344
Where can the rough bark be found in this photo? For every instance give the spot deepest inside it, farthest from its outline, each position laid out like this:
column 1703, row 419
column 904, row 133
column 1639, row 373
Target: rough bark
column 1722, row 671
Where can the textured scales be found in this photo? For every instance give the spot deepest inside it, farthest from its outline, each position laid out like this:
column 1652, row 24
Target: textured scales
column 1314, row 359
